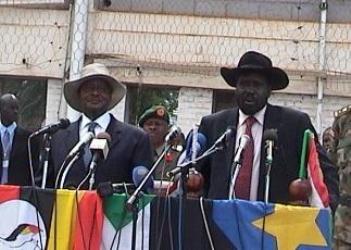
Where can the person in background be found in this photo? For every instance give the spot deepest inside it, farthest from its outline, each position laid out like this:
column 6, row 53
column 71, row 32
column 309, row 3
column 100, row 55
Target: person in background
column 328, row 142
column 15, row 169
column 156, row 123
column 342, row 128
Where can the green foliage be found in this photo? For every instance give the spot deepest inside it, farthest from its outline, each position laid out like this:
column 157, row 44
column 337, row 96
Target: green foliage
column 32, row 98
column 142, row 98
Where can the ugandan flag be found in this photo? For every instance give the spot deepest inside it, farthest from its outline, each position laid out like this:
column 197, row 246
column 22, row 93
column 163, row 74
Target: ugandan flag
column 33, row 218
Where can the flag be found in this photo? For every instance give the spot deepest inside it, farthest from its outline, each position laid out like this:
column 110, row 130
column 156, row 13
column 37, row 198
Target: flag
column 319, row 196
column 240, row 224
column 49, row 219
column 118, row 223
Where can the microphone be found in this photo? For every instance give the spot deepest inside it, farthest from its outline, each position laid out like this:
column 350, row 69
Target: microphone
column 198, row 149
column 270, row 136
column 195, row 146
column 81, row 144
column 99, row 148
column 52, row 128
column 172, row 134
column 243, row 141
column 236, row 165
column 225, row 137
column 139, row 173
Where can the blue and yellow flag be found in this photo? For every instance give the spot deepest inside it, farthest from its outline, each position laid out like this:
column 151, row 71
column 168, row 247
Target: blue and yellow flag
column 256, row 225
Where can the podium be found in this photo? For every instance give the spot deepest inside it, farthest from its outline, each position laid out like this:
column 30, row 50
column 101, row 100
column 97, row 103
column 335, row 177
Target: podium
column 65, row 219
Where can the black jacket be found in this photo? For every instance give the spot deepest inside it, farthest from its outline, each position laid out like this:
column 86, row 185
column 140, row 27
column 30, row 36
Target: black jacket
column 291, row 125
column 129, row 147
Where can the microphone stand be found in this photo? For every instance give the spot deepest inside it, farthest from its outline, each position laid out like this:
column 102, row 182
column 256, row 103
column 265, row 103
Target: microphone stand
column 45, row 158
column 132, row 202
column 68, row 168
column 92, row 176
column 268, row 163
column 184, row 170
column 236, row 169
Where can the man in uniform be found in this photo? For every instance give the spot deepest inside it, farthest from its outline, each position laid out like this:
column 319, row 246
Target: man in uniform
column 342, row 127
column 155, row 122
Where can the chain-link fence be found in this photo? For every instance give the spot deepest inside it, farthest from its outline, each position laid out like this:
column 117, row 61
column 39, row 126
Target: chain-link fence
column 176, row 42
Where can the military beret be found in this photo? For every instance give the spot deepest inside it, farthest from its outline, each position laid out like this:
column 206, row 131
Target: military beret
column 158, row 112
column 342, row 111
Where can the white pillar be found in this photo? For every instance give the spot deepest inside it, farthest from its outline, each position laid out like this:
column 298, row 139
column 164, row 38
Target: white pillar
column 78, row 45
column 321, row 79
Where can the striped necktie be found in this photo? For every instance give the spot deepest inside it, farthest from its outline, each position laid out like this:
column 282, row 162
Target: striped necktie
column 6, row 147
column 87, row 154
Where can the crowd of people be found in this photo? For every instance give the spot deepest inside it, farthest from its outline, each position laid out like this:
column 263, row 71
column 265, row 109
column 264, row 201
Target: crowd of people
column 254, row 78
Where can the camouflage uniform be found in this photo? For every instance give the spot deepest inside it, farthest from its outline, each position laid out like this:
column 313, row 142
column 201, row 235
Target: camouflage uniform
column 342, row 126
column 168, row 162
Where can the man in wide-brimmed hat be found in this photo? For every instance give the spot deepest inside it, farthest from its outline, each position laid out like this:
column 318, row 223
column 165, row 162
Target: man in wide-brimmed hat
column 254, row 78
column 93, row 94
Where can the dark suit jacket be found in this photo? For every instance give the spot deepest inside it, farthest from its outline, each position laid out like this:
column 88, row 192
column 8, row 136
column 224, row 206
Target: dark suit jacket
column 129, row 147
column 19, row 171
column 291, row 125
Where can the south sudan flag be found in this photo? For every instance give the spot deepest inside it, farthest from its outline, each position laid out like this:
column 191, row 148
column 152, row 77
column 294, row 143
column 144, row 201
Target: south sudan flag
column 238, row 224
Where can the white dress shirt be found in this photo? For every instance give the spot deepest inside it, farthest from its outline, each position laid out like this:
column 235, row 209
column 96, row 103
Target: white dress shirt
column 103, row 121
column 6, row 158
column 257, row 131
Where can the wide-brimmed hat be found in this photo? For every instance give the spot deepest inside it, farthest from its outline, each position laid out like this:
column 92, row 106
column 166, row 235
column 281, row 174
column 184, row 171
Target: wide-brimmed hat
column 93, row 71
column 257, row 62
column 158, row 112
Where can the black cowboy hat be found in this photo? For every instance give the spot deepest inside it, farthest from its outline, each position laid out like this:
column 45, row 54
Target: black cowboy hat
column 257, row 62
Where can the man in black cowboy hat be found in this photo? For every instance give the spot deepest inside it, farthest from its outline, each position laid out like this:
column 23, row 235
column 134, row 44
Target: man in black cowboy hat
column 254, row 78
column 93, row 94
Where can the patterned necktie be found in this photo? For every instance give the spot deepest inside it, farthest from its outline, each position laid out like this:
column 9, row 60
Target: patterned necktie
column 87, row 154
column 6, row 147
column 243, row 182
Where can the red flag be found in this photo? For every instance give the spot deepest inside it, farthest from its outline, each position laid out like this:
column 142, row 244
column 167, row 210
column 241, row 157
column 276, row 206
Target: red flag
column 319, row 196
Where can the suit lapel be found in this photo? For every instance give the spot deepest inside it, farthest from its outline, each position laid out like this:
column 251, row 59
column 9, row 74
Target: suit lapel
column 232, row 120
column 114, row 129
column 16, row 137
column 272, row 120
column 72, row 135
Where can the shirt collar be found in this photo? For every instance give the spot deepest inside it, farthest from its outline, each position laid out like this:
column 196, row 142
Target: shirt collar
column 10, row 128
column 103, row 120
column 259, row 116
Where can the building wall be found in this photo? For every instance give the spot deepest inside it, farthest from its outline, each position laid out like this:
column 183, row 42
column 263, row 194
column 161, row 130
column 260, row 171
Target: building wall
column 193, row 103
column 185, row 50
column 197, row 102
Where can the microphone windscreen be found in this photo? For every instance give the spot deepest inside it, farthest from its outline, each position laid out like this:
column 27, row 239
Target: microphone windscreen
column 139, row 174
column 270, row 135
column 231, row 132
column 201, row 142
column 64, row 123
column 104, row 135
column 105, row 189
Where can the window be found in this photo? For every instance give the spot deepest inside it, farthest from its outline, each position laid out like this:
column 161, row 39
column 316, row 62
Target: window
column 223, row 99
column 140, row 98
column 32, row 98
